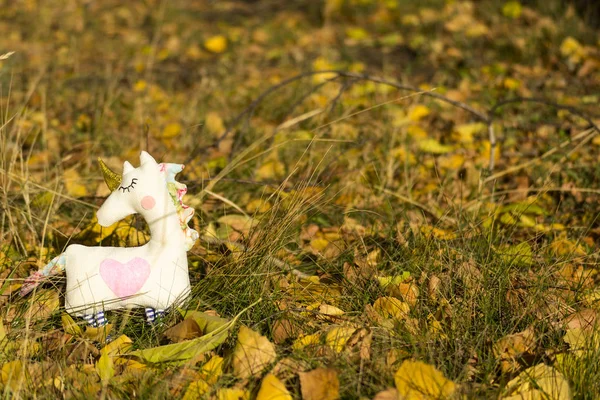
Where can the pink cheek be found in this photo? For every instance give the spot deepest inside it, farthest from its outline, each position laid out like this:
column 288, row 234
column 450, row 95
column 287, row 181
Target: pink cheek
column 148, row 203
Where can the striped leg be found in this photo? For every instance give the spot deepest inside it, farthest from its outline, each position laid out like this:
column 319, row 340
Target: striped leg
column 150, row 315
column 100, row 319
column 160, row 313
column 89, row 318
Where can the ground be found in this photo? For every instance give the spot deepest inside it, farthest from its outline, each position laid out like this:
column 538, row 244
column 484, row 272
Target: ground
column 395, row 199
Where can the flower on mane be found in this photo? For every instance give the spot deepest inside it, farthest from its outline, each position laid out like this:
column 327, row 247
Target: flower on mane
column 177, row 190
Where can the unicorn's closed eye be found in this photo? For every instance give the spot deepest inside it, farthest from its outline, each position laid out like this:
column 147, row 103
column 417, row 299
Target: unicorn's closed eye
column 154, row 275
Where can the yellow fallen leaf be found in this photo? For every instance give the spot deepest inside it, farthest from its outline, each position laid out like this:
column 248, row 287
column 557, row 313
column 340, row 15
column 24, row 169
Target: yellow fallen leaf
column 171, row 130
column 70, row 326
column 120, row 345
column 570, row 47
column 391, row 307
column 319, row 244
column 73, row 185
column 252, row 354
column 511, row 347
column 233, row 394
column 272, row 388
column 196, row 390
column 105, row 367
column 140, row 86
column 511, row 83
column 565, row 247
column 306, row 340
column 418, row 112
column 270, row 170
column 433, row 146
column 14, row 374
column 357, row 33
column 392, row 280
column 464, row 133
column 330, row 310
column 322, row 64
column 338, row 336
column 214, row 123
column 45, row 303
column 216, row 44
column 520, row 254
column 258, row 206
column 540, row 382
column 320, row 384
column 212, row 370
column 512, row 9
column 438, row 233
column 416, row 380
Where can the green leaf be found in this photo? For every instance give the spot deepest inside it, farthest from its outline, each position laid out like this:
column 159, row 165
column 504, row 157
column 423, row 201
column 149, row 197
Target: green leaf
column 523, row 208
column 216, row 330
column 207, row 323
column 178, row 352
column 520, row 254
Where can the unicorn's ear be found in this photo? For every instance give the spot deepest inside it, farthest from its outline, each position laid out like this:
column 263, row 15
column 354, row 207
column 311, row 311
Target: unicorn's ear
column 145, row 158
column 127, row 167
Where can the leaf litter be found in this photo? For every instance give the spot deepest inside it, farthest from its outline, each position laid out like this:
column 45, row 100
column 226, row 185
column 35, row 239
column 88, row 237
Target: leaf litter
column 431, row 245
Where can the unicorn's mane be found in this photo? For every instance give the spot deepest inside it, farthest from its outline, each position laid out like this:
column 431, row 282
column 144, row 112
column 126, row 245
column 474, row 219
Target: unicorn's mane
column 177, row 190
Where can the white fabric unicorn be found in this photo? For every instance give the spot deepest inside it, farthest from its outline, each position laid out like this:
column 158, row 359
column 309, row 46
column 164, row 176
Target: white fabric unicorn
column 154, row 275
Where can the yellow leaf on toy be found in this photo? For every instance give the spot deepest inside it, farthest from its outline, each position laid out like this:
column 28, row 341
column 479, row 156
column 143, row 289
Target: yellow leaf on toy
column 216, row 44
column 272, row 388
column 416, row 380
column 253, row 353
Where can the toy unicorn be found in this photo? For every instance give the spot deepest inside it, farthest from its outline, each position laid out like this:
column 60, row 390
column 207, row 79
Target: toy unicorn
column 154, row 275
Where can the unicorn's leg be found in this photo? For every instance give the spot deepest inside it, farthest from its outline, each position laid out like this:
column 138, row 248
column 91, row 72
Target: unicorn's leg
column 150, row 315
column 100, row 319
column 89, row 318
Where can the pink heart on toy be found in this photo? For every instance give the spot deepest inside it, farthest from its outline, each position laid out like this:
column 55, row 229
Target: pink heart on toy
column 125, row 279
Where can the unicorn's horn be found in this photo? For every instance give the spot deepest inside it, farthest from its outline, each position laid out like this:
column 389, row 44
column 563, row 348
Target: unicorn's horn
column 112, row 179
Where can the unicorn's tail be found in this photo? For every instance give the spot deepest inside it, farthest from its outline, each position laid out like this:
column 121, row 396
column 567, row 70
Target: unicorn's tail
column 54, row 267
